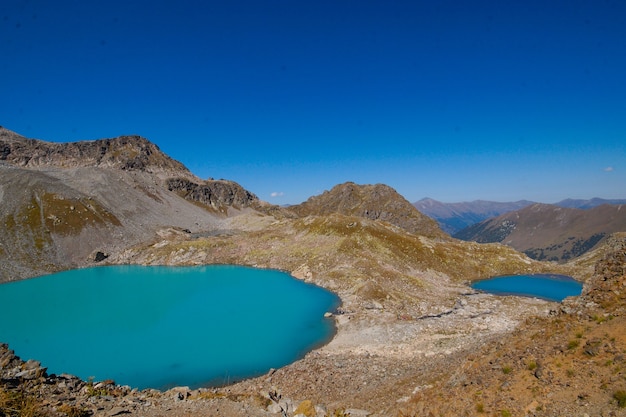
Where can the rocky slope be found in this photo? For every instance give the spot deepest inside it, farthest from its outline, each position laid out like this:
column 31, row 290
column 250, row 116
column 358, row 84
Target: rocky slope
column 548, row 232
column 72, row 204
column 407, row 312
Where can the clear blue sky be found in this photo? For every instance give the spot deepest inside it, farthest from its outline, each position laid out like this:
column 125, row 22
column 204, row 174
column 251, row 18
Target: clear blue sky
column 454, row 100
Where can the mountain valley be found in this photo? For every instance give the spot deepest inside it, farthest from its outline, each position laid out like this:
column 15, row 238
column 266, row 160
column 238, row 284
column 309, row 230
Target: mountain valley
column 412, row 337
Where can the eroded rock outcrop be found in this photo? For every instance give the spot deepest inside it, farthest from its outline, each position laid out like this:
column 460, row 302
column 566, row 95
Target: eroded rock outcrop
column 217, row 194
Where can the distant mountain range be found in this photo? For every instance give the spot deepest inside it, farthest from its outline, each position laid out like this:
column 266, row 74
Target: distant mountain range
column 454, row 217
column 549, row 232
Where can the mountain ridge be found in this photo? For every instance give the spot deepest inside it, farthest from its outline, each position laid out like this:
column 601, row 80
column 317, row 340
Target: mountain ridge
column 66, row 204
column 123, row 152
column 454, row 217
column 549, row 232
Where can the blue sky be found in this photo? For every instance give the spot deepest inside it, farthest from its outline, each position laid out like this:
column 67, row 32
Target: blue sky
column 454, row 100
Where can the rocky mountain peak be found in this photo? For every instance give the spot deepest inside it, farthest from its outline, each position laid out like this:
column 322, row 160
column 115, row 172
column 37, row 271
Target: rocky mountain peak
column 375, row 202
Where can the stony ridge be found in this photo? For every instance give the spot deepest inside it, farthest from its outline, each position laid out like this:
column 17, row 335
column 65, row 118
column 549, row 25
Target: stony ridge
column 132, row 153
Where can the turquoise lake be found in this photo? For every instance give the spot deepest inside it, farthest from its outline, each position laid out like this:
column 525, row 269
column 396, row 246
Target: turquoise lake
column 548, row 287
column 159, row 327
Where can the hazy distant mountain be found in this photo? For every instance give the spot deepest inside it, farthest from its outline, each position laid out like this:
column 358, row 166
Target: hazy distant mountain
column 453, row 217
column 587, row 204
column 375, row 202
column 549, row 232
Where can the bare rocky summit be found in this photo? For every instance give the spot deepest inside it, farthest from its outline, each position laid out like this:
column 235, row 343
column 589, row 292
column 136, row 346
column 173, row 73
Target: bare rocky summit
column 374, row 202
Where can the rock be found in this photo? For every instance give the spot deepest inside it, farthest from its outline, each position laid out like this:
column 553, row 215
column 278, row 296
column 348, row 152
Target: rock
column 303, row 272
column 31, row 370
column 100, row 256
column 373, row 305
column 274, row 408
column 592, row 347
column 31, row 364
column 217, row 194
column 321, row 410
column 180, row 393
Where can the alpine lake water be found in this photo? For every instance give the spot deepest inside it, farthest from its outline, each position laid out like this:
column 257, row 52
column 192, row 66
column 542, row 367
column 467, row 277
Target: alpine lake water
column 545, row 286
column 159, row 327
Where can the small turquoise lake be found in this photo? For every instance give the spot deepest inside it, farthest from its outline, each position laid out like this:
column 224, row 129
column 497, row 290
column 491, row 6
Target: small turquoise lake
column 548, row 287
column 159, row 327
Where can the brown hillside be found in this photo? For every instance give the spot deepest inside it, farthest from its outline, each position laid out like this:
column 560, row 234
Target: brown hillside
column 548, row 232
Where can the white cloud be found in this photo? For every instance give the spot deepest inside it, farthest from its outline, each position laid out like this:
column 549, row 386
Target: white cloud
column 277, row 194
column 608, row 169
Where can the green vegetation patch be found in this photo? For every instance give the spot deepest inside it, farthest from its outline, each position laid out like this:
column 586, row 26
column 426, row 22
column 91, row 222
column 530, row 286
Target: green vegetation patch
column 68, row 216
